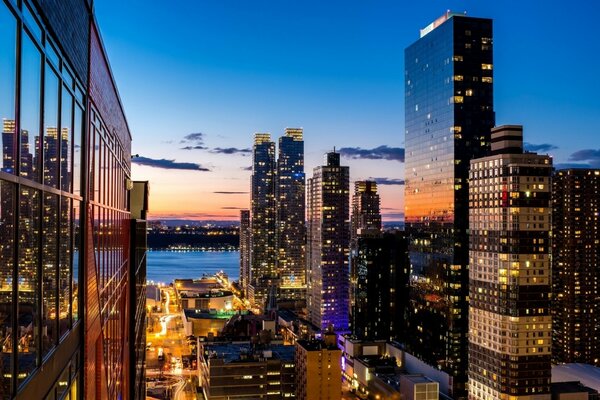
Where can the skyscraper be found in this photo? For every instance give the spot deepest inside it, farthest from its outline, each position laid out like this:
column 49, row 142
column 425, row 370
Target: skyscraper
column 328, row 240
column 510, row 325
column 575, row 271
column 366, row 215
column 64, row 212
column 449, row 114
column 263, row 216
column 291, row 228
column 379, row 288
column 245, row 236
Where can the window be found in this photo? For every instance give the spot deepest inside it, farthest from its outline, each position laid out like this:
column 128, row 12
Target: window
column 8, row 40
column 486, row 79
column 486, row 66
column 30, row 109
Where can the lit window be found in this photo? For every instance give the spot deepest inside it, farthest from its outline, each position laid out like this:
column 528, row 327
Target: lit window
column 457, row 58
column 469, row 92
column 457, row 99
column 486, row 66
column 458, row 77
column 486, row 79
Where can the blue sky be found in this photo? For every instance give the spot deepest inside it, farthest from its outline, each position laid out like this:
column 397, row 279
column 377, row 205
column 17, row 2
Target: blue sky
column 227, row 69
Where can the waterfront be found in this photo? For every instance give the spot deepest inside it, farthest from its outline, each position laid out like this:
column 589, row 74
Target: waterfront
column 164, row 266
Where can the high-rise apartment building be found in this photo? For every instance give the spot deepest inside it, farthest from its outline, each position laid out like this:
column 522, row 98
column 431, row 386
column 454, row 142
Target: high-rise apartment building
column 449, row 114
column 263, row 256
column 64, row 212
column 379, row 288
column 510, row 325
column 318, row 369
column 291, row 227
column 328, row 237
column 245, row 242
column 366, row 215
column 575, row 266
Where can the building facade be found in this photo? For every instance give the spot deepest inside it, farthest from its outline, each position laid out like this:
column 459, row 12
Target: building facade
column 64, row 216
column 263, row 220
column 380, row 287
column 575, row 272
column 245, row 249
column 318, row 369
column 448, row 114
column 328, row 240
column 291, row 226
column 366, row 216
column 510, row 325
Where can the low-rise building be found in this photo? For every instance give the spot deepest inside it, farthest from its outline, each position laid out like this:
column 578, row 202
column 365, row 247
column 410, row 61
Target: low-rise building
column 318, row 369
column 213, row 299
column 246, row 371
column 202, row 323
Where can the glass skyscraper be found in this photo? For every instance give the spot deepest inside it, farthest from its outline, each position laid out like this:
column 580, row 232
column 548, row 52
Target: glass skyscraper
column 263, row 213
column 291, row 229
column 449, row 114
column 328, row 240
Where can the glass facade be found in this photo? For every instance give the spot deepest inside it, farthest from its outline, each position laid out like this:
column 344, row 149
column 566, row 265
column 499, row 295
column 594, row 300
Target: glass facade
column 449, row 114
column 263, row 214
column 291, row 210
column 38, row 289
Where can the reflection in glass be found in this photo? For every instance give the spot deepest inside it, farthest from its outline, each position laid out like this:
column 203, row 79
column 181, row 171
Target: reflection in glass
column 49, row 266
column 76, row 244
column 8, row 141
column 7, row 232
column 30, row 108
column 64, row 282
column 29, row 234
column 65, row 140
column 77, row 133
column 51, row 137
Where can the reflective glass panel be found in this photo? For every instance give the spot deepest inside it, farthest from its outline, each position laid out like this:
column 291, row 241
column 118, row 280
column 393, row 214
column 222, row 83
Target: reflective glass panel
column 49, row 268
column 66, row 142
column 77, row 136
column 30, row 108
column 64, row 272
column 76, row 244
column 29, row 241
column 8, row 39
column 51, row 136
column 7, row 259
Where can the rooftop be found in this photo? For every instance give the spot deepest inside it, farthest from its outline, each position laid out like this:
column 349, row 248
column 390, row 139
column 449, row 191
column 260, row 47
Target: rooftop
column 211, row 293
column 585, row 373
column 244, row 352
column 210, row 314
column 315, row 345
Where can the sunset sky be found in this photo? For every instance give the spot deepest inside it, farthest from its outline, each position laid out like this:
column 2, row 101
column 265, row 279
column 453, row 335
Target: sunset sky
column 199, row 77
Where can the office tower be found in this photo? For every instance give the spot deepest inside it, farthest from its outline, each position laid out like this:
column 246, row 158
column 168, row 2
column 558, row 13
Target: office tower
column 510, row 325
column 328, row 239
column 449, row 114
column 264, row 252
column 365, row 209
column 245, row 235
column 291, row 228
column 64, row 215
column 575, row 271
column 380, row 286
column 318, row 369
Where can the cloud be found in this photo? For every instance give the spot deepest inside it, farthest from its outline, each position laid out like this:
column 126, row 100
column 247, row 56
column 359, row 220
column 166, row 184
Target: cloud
column 230, row 150
column 197, row 138
column 198, row 147
column 586, row 155
column 233, row 208
column 224, row 192
column 388, row 181
column 393, row 216
column 542, row 148
column 167, row 164
column 391, row 209
column 247, row 168
column 378, row 153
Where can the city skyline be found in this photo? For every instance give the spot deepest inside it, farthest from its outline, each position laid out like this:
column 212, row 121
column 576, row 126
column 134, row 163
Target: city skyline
column 343, row 86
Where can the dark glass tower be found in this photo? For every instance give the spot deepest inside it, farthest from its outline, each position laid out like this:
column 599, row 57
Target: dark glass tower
column 366, row 215
column 510, row 325
column 380, row 289
column 264, row 253
column 575, row 271
column 328, row 238
column 449, row 114
column 291, row 229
